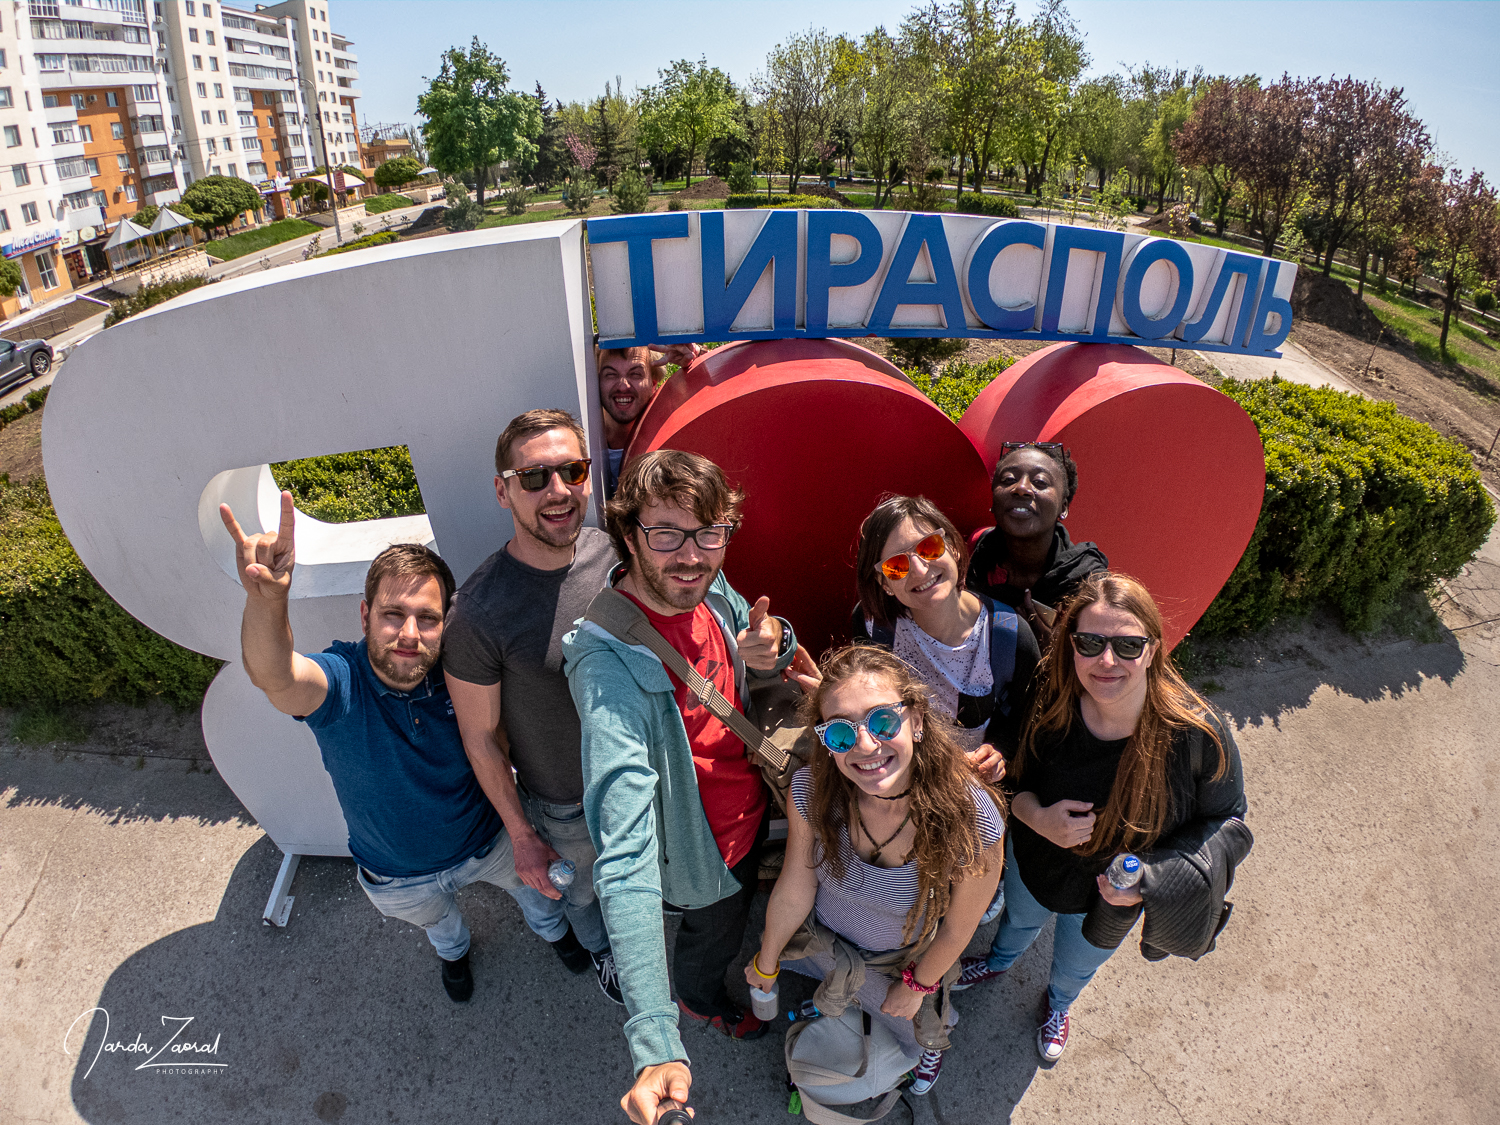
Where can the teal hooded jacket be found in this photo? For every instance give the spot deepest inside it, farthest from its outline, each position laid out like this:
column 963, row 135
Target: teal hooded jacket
column 640, row 799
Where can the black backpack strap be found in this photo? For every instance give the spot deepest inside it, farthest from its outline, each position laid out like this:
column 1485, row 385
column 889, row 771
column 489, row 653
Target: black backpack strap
column 1004, row 635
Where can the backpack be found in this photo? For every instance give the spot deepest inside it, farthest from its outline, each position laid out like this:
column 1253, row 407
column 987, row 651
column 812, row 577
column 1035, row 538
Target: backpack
column 843, row 1060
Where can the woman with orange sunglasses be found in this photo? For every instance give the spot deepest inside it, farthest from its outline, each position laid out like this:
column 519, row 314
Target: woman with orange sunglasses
column 975, row 655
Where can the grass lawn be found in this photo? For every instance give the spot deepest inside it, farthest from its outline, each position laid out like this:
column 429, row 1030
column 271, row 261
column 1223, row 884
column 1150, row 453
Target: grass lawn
column 551, row 214
column 1423, row 326
column 248, row 242
column 378, row 204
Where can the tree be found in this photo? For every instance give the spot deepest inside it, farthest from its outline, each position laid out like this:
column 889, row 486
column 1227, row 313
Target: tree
column 1275, row 168
column 545, row 164
column 876, row 73
column 10, row 277
column 1169, row 119
column 220, row 199
column 691, row 104
column 397, row 173
column 472, row 120
column 799, row 86
column 1047, row 103
column 1097, row 125
column 1459, row 227
column 1215, row 139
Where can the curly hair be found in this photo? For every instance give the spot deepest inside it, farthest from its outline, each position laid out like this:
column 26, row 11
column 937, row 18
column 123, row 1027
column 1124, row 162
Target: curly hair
column 691, row 481
column 948, row 846
column 1141, row 800
column 1065, row 466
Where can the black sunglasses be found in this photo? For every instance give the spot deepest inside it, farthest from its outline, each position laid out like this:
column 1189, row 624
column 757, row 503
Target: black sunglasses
column 1126, row 648
column 1051, row 448
column 534, row 478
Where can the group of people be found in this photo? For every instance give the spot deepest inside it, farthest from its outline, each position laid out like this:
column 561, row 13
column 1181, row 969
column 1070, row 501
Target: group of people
column 1006, row 722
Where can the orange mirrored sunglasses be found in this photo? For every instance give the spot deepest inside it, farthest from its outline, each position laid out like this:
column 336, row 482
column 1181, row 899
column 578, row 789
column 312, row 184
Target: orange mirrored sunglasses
column 898, row 566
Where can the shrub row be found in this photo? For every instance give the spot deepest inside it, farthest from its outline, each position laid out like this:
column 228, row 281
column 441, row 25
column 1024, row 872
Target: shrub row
column 369, row 484
column 735, row 202
column 1000, row 206
column 32, row 401
column 148, row 295
column 379, row 239
column 62, row 638
column 1361, row 503
column 377, row 204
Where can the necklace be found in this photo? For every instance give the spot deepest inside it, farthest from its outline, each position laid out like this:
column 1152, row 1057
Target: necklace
column 879, row 845
column 897, row 797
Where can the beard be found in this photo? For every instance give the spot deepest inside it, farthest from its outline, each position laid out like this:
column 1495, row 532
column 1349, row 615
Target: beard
column 554, row 535
column 657, row 580
column 403, row 677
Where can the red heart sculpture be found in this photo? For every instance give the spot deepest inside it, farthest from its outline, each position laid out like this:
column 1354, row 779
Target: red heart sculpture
column 816, row 431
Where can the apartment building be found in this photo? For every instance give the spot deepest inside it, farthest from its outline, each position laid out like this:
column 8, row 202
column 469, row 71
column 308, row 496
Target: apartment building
column 330, row 70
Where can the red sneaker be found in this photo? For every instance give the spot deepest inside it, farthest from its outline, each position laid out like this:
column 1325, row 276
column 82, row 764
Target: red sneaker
column 744, row 1025
column 1052, row 1036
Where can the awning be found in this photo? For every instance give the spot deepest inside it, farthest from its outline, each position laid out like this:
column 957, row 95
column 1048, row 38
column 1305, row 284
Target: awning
column 126, row 232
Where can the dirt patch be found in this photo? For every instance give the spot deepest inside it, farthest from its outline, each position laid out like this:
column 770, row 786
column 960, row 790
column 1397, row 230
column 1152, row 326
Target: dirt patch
column 977, row 351
column 152, row 730
column 711, row 188
column 21, row 448
column 1328, row 301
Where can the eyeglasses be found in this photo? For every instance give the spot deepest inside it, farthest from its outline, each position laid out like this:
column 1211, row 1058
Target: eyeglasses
column 534, row 478
column 1126, row 648
column 665, row 538
column 883, row 723
column 1051, row 448
column 898, row 566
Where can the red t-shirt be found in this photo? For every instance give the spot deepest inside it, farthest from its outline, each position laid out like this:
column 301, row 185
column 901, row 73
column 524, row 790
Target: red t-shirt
column 729, row 784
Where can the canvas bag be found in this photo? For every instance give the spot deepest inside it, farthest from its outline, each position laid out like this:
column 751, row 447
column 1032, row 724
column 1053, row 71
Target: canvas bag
column 842, row 1060
column 780, row 745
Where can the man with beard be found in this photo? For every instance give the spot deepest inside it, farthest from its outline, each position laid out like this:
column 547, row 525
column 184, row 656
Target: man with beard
column 676, row 809
column 420, row 826
column 503, row 655
column 627, row 382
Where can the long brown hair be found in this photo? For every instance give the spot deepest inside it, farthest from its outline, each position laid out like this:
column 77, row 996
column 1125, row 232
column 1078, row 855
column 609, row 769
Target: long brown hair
column 877, row 528
column 1141, row 799
column 947, row 847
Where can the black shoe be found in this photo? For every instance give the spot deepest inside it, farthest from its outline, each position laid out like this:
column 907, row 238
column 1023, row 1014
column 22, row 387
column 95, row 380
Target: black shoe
column 571, row 952
column 458, row 982
column 609, row 979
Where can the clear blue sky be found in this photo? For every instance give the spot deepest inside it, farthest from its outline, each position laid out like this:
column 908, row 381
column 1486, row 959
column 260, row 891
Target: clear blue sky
column 1446, row 55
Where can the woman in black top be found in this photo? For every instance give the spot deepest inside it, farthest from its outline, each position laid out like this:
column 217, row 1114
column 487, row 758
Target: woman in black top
column 1027, row 560
column 1106, row 767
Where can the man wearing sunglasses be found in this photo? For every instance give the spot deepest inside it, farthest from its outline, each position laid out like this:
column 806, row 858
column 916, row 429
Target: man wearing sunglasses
column 503, row 652
column 676, row 808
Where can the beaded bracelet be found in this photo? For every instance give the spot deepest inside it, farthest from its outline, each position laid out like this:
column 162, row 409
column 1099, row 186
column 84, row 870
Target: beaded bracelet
column 755, row 963
column 909, row 978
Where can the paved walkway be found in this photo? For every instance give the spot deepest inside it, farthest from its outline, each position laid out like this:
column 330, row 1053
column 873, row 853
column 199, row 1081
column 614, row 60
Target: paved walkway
column 1295, row 365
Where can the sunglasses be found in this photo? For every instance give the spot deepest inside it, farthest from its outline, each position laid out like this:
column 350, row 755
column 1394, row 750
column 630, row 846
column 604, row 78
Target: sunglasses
column 898, row 566
column 1051, row 448
column 1126, row 648
column 883, row 723
column 665, row 538
column 534, row 478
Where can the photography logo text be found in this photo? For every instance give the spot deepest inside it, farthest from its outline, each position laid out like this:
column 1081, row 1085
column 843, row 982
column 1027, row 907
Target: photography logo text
column 172, row 1054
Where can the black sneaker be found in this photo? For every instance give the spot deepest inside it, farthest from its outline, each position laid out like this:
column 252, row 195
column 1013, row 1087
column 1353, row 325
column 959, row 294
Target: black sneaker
column 609, row 979
column 570, row 952
column 458, row 982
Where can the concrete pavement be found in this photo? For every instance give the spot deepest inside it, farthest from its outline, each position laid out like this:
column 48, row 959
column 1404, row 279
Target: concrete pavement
column 1356, row 982
column 1295, row 366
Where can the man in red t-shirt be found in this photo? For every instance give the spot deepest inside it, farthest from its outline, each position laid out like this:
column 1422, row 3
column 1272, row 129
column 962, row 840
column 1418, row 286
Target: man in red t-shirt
column 674, row 804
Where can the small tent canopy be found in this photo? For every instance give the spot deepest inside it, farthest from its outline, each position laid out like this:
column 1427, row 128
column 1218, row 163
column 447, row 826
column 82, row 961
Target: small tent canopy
column 351, row 180
column 124, row 246
column 169, row 220
column 126, row 232
column 432, row 172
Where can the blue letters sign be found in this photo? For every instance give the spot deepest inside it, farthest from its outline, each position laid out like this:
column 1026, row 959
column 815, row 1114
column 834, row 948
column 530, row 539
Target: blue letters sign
column 679, row 276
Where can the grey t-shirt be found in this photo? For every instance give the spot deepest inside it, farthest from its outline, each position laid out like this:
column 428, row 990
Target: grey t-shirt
column 507, row 625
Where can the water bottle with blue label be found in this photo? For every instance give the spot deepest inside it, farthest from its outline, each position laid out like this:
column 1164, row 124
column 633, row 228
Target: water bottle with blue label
column 1124, row 872
column 561, row 873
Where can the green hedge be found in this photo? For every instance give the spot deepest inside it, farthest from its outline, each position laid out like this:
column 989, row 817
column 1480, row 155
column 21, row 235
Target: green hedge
column 817, row 202
column 377, row 204
column 378, row 239
column 1000, row 206
column 371, row 484
column 959, row 383
column 148, row 295
column 1361, row 503
column 62, row 638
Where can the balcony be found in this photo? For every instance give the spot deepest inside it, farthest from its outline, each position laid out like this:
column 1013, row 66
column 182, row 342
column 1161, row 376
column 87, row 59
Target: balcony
column 161, row 198
column 155, row 168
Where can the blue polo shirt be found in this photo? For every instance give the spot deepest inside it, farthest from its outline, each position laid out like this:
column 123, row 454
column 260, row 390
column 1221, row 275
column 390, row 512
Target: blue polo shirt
column 398, row 765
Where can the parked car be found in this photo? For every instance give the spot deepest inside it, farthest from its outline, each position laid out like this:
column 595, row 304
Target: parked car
column 22, row 360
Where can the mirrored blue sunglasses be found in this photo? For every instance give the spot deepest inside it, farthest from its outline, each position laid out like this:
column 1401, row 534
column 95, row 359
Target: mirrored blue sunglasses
column 883, row 723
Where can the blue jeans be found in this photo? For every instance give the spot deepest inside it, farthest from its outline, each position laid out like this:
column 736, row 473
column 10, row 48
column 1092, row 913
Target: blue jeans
column 564, row 828
column 1074, row 959
column 427, row 900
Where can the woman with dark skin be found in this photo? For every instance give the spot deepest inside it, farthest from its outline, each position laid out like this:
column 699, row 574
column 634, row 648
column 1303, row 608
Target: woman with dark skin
column 1027, row 560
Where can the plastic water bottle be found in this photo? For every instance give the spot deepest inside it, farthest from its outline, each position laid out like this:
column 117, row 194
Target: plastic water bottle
column 1124, row 872
column 671, row 1113
column 766, row 1005
column 561, row 873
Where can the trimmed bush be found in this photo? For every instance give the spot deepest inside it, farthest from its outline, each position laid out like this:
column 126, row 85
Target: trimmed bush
column 631, row 195
column 959, row 383
column 741, row 178
column 370, row 484
column 62, row 638
column 1361, row 503
column 1000, row 206
column 736, row 202
column 923, row 353
column 377, row 204
column 380, row 238
column 148, row 295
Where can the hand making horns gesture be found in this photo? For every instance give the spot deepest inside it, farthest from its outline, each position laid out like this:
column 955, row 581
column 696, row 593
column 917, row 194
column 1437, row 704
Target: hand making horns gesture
column 265, row 559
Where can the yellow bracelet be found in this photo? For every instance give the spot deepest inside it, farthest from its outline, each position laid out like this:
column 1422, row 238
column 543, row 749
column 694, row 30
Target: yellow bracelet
column 755, row 963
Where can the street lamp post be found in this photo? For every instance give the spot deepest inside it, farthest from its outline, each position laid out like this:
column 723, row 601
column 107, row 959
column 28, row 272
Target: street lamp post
column 333, row 199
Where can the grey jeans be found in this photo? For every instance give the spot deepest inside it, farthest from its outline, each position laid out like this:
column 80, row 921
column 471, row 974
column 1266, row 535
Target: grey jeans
column 565, row 830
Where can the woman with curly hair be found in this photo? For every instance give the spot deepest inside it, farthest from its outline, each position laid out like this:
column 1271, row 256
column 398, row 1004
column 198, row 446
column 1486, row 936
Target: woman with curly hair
column 1120, row 756
column 893, row 853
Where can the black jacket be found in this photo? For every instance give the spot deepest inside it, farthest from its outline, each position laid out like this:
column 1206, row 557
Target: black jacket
column 1068, row 564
